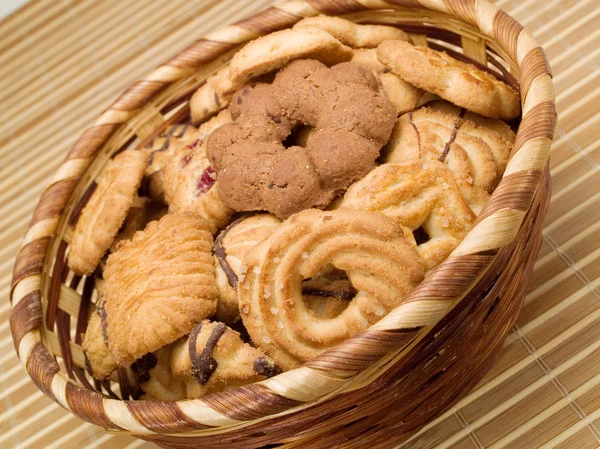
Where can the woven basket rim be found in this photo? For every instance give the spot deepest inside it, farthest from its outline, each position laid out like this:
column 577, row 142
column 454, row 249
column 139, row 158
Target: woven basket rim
column 495, row 229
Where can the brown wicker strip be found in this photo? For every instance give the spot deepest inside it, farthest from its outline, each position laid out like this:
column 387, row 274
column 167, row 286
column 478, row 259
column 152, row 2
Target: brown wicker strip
column 534, row 64
column 539, row 121
column 199, row 53
column 58, row 277
column 249, row 402
column 26, row 316
column 137, row 95
column 504, row 197
column 30, row 260
column 91, row 141
column 334, row 7
column 505, row 29
column 42, row 368
column 170, row 419
column 464, row 10
column 89, row 407
column 53, row 200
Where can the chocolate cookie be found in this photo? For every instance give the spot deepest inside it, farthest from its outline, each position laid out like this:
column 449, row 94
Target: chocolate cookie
column 352, row 121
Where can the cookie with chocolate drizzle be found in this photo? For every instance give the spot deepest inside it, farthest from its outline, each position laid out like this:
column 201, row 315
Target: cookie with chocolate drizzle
column 229, row 250
column 214, row 358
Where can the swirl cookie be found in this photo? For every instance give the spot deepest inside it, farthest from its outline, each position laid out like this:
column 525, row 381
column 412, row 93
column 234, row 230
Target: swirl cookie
column 214, row 358
column 460, row 83
column 405, row 96
column 381, row 265
column 101, row 361
column 352, row 121
column 103, row 215
column 159, row 285
column 353, row 34
column 476, row 154
column 230, row 248
column 261, row 56
column 423, row 198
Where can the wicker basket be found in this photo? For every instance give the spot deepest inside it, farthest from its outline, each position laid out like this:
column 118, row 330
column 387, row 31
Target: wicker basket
column 374, row 390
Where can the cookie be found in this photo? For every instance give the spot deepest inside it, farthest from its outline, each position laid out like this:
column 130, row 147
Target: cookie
column 189, row 180
column 352, row 121
column 214, row 358
column 403, row 95
column 160, row 151
column 477, row 154
column 159, row 285
column 104, row 213
column 493, row 124
column 381, row 265
column 230, row 248
column 263, row 55
column 460, row 83
column 101, row 361
column 155, row 379
column 353, row 34
column 421, row 196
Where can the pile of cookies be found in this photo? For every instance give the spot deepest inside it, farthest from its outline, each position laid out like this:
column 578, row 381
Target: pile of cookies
column 334, row 167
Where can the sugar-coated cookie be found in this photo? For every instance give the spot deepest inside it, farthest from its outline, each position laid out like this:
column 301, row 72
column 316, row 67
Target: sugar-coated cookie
column 381, row 265
column 421, row 196
column 458, row 82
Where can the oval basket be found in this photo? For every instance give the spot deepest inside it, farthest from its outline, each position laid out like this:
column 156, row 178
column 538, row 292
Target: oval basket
column 375, row 389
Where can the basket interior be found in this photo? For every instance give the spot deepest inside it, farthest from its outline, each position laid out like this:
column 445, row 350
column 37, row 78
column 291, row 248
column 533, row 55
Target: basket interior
column 68, row 299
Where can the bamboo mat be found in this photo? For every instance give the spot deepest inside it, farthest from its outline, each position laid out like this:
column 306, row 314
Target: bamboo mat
column 61, row 64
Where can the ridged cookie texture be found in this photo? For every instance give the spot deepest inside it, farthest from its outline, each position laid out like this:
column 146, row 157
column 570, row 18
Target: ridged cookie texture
column 159, row 285
column 422, row 197
column 381, row 265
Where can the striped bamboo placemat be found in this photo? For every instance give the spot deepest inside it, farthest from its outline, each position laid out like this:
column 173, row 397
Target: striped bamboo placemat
column 61, row 64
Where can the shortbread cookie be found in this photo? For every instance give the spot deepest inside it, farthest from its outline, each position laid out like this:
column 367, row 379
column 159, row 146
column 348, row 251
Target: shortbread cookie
column 103, row 215
column 460, row 83
column 381, row 265
column 423, row 197
column 230, row 248
column 494, row 124
column 214, row 358
column 353, row 34
column 352, row 121
column 476, row 154
column 405, row 96
column 159, row 285
column 96, row 352
column 155, row 378
column 263, row 55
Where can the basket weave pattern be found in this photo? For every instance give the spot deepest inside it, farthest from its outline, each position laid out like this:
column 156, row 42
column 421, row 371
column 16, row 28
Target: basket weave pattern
column 386, row 382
